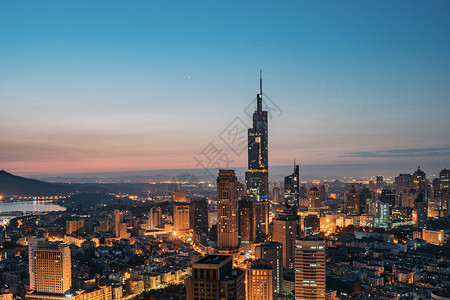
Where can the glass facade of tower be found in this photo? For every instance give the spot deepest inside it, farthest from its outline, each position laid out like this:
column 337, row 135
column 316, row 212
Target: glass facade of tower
column 256, row 178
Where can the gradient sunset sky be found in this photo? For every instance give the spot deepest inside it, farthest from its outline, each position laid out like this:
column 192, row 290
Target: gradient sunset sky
column 96, row 86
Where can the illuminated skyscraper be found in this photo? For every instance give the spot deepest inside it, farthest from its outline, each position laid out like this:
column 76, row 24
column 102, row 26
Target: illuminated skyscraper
column 352, row 202
column 365, row 198
column 49, row 267
column 291, row 188
column 313, row 201
column 259, row 280
column 285, row 232
column 257, row 176
column 214, row 278
column 273, row 252
column 310, row 268
column 181, row 216
column 227, row 210
column 246, row 222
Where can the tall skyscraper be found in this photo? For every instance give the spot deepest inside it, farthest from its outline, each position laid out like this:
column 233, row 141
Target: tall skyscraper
column 273, row 252
column 257, row 176
column 365, row 198
column 214, row 278
column 261, row 219
column 246, row 222
column 444, row 179
column 49, row 267
column 259, row 280
column 352, row 202
column 420, row 211
column 313, row 201
column 291, row 188
column 117, row 219
column 310, row 268
column 227, row 210
column 181, row 216
column 420, row 180
column 285, row 232
column 198, row 217
column 155, row 218
column 380, row 182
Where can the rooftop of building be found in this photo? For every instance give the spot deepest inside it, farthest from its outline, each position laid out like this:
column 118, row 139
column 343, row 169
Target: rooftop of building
column 213, row 259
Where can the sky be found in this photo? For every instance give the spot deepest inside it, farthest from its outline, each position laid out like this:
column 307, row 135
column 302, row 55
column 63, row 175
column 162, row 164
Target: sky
column 99, row 86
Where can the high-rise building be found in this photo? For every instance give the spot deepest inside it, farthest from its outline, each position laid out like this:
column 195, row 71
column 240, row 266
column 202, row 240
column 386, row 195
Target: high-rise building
column 365, row 198
column 310, row 268
column 444, row 180
column 259, row 280
column 74, row 227
column 49, row 267
column 381, row 212
column 273, row 252
column 246, row 222
column 117, row 219
column 261, row 219
column 213, row 278
column 199, row 214
column 408, row 196
column 380, row 182
column 227, row 210
column 311, row 224
column 285, row 232
column 387, row 196
column 179, row 196
column 322, row 193
column 181, row 216
column 420, row 212
column 313, row 201
column 352, row 202
column 420, row 180
column 257, row 176
column 291, row 188
column 155, row 217
column 276, row 196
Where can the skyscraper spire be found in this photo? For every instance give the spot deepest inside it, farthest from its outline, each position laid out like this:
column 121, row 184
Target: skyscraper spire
column 259, row 104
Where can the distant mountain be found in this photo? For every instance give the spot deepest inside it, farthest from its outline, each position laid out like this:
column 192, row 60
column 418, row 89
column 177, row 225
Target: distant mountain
column 11, row 185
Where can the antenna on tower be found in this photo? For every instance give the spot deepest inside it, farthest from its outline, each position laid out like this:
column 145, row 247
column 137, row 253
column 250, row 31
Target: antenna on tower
column 259, row 103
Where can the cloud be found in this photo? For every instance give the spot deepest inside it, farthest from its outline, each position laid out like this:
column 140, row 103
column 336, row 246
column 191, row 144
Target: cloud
column 400, row 153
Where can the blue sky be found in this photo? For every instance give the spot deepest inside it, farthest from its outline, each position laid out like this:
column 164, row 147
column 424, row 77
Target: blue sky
column 114, row 85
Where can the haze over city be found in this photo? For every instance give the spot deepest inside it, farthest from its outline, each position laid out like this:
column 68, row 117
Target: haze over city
column 108, row 87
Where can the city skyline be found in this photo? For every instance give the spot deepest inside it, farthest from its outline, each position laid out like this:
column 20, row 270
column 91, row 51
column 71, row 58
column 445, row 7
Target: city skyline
column 149, row 86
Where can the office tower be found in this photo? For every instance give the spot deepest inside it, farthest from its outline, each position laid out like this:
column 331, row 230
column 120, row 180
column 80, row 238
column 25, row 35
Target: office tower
column 313, row 201
column 285, row 232
column 117, row 219
column 180, row 216
column 273, row 253
column 49, row 267
column 352, row 202
column 246, row 222
column 199, row 214
column 365, row 198
column 259, row 280
column 227, row 210
column 155, row 217
column 444, row 180
column 404, row 180
column 420, row 180
column 311, row 224
column 291, row 188
column 322, row 193
column 420, row 212
column 179, row 196
column 123, row 231
column 75, row 227
column 380, row 182
column 387, row 196
column 408, row 196
column 276, row 196
column 310, row 268
column 381, row 212
column 261, row 219
column 214, row 278
column 257, row 178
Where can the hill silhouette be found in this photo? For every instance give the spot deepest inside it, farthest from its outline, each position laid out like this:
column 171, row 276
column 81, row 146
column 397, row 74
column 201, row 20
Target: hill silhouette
column 11, row 185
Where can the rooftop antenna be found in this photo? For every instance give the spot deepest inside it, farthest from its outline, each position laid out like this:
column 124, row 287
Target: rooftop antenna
column 259, row 107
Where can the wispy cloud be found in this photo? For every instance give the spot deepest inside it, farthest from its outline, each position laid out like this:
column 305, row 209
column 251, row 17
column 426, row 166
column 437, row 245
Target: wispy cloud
column 410, row 152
